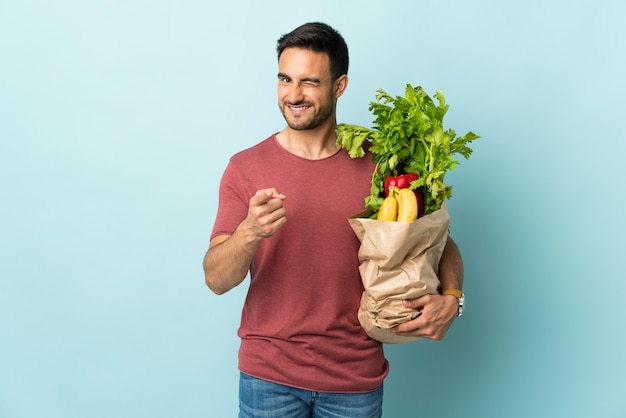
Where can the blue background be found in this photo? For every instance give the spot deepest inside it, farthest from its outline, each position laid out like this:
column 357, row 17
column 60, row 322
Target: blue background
column 118, row 117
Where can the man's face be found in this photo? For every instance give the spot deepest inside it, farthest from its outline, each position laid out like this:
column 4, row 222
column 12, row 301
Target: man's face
column 306, row 91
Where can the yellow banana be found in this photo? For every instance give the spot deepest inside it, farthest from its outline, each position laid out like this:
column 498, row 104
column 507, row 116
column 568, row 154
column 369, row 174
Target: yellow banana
column 407, row 205
column 388, row 209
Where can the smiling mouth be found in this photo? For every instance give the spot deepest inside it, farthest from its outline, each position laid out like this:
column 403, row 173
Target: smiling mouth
column 298, row 108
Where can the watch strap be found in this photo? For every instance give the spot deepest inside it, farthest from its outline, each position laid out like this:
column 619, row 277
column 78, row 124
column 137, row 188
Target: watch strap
column 453, row 292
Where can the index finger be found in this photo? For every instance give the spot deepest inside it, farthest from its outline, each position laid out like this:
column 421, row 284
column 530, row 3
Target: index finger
column 265, row 195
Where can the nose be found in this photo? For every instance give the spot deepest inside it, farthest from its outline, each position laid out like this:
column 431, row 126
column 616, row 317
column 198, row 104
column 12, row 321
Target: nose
column 294, row 94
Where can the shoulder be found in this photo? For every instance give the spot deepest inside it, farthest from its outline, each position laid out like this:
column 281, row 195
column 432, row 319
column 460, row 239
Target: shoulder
column 257, row 156
column 256, row 151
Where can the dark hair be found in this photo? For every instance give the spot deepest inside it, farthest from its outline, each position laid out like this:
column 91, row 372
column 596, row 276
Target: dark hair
column 318, row 37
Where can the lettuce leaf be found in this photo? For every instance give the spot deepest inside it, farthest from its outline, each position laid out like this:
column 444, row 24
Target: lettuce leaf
column 408, row 136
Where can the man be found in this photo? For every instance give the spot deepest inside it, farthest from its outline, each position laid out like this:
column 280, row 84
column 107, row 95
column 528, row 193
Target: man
column 282, row 217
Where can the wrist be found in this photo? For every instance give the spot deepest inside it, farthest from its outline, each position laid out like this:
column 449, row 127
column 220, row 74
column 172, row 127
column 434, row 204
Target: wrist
column 457, row 294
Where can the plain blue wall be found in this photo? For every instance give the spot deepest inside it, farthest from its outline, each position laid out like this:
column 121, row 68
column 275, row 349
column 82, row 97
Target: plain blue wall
column 117, row 119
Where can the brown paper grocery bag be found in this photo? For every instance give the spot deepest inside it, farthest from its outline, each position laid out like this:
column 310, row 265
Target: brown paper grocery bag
column 398, row 261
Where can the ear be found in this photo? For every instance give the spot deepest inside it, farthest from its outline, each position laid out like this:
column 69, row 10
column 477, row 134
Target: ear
column 340, row 85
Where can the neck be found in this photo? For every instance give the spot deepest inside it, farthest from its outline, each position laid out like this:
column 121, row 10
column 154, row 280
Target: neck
column 312, row 144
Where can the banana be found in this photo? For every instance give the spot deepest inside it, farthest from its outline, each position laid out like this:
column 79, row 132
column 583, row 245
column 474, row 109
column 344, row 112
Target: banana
column 388, row 209
column 407, row 205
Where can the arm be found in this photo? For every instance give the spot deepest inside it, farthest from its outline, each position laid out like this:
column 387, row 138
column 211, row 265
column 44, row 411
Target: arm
column 228, row 259
column 438, row 311
column 451, row 267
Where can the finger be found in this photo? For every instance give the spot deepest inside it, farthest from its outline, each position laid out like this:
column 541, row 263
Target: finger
column 270, row 215
column 274, row 193
column 277, row 195
column 260, row 197
column 276, row 213
column 263, row 196
column 418, row 303
column 272, row 222
column 410, row 326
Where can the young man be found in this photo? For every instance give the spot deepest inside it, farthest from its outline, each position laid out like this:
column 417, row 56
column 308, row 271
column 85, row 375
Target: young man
column 282, row 217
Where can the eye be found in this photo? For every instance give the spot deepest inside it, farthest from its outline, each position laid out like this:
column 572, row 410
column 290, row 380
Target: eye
column 284, row 79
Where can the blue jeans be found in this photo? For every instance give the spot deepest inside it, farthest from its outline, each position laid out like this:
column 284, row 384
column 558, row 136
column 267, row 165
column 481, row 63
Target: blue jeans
column 262, row 399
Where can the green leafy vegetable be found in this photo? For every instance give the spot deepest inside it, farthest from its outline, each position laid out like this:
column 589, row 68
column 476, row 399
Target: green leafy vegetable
column 408, row 136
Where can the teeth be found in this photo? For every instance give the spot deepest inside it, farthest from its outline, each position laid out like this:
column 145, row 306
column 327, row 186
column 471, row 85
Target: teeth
column 298, row 108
